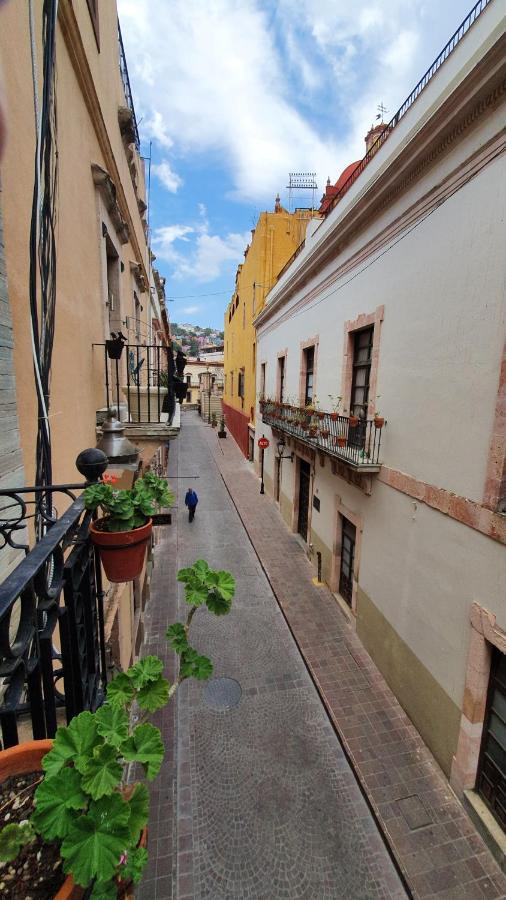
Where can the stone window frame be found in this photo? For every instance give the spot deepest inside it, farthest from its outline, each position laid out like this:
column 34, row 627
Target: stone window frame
column 485, row 634
column 283, row 354
column 306, row 345
column 342, row 511
column 364, row 320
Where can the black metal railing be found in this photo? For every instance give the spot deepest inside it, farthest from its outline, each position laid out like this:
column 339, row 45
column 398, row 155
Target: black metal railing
column 141, row 382
column 126, row 86
column 52, row 646
column 408, row 102
column 357, row 445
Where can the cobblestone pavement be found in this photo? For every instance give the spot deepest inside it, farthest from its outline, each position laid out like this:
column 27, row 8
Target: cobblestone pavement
column 431, row 836
column 259, row 800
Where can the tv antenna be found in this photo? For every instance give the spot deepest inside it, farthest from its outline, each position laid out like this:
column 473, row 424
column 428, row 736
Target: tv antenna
column 381, row 111
column 299, row 183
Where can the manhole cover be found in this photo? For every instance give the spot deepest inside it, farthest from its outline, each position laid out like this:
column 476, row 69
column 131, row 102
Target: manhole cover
column 222, row 693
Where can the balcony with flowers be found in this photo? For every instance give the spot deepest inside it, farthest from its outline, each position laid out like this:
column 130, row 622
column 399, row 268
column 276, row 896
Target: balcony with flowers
column 346, row 438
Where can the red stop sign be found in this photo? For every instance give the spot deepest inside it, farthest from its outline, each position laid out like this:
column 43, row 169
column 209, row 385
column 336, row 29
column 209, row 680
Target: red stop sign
column 263, row 443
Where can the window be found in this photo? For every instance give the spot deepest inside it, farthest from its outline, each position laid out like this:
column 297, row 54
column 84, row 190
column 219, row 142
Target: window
column 231, row 384
column 188, row 379
column 224, row 384
column 348, row 540
column 491, row 781
column 262, row 380
column 362, row 357
column 137, row 307
column 281, row 378
column 93, row 11
column 253, row 300
column 240, row 384
column 244, row 315
column 309, row 375
column 188, row 396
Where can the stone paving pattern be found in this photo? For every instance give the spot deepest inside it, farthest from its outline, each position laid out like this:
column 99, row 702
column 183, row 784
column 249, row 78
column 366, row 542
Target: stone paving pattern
column 258, row 801
column 433, row 840
column 264, row 804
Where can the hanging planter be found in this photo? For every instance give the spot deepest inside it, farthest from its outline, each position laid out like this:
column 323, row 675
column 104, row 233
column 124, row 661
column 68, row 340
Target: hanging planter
column 379, row 421
column 313, row 431
column 122, row 535
column 353, row 421
column 334, row 416
column 324, row 433
column 122, row 553
column 340, row 440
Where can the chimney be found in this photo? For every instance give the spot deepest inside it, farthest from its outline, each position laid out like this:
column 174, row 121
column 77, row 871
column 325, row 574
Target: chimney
column 277, row 205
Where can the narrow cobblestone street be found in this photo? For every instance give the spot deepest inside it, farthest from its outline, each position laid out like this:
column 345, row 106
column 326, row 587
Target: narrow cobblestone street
column 259, row 800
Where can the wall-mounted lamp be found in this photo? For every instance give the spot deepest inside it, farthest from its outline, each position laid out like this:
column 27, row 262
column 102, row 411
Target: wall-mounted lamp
column 281, row 450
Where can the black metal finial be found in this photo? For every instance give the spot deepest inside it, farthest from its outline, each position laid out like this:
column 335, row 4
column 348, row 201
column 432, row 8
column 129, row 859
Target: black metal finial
column 92, row 463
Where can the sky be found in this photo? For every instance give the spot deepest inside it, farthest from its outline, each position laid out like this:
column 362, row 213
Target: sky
column 232, row 95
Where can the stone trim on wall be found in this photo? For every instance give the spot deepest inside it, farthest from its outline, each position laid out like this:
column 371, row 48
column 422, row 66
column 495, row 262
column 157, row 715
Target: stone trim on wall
column 468, row 512
column 494, row 496
column 364, row 320
column 485, row 634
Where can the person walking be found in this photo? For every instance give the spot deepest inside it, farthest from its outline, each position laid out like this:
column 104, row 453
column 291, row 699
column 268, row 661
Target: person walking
column 191, row 501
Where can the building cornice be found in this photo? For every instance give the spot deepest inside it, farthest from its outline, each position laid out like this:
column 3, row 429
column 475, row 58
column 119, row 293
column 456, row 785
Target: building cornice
column 77, row 54
column 478, row 95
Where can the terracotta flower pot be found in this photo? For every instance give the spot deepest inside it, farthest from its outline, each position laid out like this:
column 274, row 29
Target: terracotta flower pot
column 320, row 414
column 340, row 440
column 324, row 433
column 353, row 421
column 122, row 553
column 334, row 416
column 379, row 421
column 313, row 432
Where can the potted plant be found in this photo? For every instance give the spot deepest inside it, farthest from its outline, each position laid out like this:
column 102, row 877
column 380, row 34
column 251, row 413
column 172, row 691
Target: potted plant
column 313, row 431
column 340, row 440
column 353, row 420
column 79, row 818
column 123, row 532
column 379, row 421
column 336, row 403
column 324, row 433
column 213, row 420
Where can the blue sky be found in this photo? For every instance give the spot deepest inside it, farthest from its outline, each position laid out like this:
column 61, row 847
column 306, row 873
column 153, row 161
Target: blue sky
column 235, row 94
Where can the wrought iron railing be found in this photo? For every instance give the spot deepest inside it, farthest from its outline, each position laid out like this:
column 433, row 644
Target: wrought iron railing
column 126, row 86
column 142, row 382
column 408, row 102
column 52, row 646
column 357, row 445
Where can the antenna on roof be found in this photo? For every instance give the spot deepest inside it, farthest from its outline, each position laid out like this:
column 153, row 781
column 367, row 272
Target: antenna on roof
column 300, row 182
column 381, row 111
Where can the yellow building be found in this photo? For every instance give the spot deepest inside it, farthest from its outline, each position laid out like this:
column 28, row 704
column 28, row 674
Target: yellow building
column 275, row 239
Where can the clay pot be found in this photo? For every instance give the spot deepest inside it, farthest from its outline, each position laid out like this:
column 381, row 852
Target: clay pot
column 324, row 433
column 122, row 553
column 340, row 440
column 320, row 414
column 379, row 421
column 353, row 421
column 313, row 431
column 334, row 416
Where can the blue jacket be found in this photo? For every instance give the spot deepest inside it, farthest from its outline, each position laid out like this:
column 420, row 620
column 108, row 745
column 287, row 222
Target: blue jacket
column 191, row 499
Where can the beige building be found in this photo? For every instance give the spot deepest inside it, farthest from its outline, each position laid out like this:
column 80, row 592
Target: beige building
column 103, row 267
column 395, row 307
column 202, row 375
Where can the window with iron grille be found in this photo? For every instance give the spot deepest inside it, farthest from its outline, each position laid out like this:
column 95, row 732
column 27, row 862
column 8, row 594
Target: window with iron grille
column 308, row 375
column 491, row 780
column 348, row 540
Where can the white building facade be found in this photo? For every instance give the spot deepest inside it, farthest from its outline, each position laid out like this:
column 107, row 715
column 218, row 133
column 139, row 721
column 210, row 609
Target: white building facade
column 396, row 304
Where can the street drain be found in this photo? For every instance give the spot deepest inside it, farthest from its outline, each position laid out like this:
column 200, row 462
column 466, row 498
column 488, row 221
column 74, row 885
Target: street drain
column 222, row 693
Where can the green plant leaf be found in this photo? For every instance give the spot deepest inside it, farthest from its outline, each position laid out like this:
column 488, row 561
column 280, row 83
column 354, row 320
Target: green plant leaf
column 145, row 670
column 195, row 594
column 139, row 812
column 217, row 604
column 112, row 724
column 225, row 584
column 176, row 636
column 73, row 743
column 13, row 837
column 195, row 666
column 120, row 691
column 56, row 800
column 145, row 746
column 103, row 772
column 154, row 695
column 95, row 842
column 104, row 890
column 134, row 865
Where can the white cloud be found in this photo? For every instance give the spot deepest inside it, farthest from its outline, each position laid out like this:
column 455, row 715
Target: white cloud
column 206, row 254
column 218, row 78
column 190, row 310
column 167, row 176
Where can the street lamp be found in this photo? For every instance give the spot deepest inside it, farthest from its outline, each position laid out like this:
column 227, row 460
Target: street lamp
column 281, row 450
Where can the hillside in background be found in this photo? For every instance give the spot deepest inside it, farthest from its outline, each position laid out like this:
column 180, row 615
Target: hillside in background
column 192, row 338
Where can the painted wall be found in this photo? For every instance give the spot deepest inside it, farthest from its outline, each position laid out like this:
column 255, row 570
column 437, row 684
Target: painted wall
column 427, row 245
column 275, row 238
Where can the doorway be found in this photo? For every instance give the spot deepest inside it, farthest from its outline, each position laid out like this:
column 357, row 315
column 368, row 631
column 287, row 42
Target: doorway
column 304, row 491
column 277, row 479
column 348, row 541
column 491, row 781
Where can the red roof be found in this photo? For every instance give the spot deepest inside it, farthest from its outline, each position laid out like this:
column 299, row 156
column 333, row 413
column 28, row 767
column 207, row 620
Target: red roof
column 332, row 189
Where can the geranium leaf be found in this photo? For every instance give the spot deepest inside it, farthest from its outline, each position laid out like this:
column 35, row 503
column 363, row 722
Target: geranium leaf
column 56, row 800
column 13, row 837
column 225, row 583
column 95, row 842
column 195, row 594
column 145, row 670
column 102, row 773
column 104, row 890
column 120, row 691
column 218, row 604
column 154, row 695
column 202, row 668
column 176, row 636
column 74, row 742
column 195, row 666
column 139, row 811
column 145, row 746
column 134, row 865
column 112, row 724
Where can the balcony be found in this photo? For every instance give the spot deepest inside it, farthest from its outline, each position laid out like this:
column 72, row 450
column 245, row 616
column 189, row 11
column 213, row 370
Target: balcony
column 358, row 447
